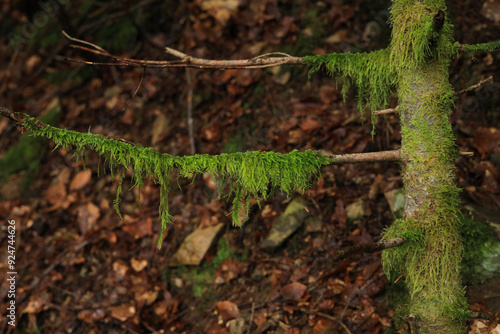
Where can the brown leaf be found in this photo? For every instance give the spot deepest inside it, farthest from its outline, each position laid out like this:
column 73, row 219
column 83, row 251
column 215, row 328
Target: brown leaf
column 221, row 10
column 324, row 326
column 293, row 291
column 120, row 268
column 37, row 303
column 87, row 217
column 229, row 269
column 140, row 229
column 122, row 312
column 309, row 124
column 91, row 316
column 56, row 194
column 227, row 310
column 161, row 128
column 146, row 298
column 138, row 265
column 80, row 180
column 486, row 139
column 32, row 63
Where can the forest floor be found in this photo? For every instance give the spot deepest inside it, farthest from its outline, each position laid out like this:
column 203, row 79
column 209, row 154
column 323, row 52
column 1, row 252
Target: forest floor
column 81, row 269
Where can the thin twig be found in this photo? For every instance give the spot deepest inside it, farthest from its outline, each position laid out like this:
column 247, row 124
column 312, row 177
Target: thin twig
column 479, row 84
column 327, row 316
column 251, row 318
column 73, row 39
column 136, row 90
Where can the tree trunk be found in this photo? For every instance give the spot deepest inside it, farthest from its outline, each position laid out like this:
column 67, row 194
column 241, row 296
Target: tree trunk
column 429, row 264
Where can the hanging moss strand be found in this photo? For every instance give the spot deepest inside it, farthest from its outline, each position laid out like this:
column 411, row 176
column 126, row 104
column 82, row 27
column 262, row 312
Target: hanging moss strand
column 245, row 175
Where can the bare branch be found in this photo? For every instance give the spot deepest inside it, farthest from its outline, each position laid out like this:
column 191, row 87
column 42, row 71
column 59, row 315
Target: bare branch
column 262, row 61
column 266, row 60
column 479, row 84
column 386, row 111
column 394, row 155
column 371, row 247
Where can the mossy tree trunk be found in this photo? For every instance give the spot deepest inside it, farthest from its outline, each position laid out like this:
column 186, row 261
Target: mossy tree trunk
column 435, row 301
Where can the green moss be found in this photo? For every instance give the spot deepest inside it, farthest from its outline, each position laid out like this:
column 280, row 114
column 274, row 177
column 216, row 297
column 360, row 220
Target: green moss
column 369, row 72
column 484, row 47
column 246, row 175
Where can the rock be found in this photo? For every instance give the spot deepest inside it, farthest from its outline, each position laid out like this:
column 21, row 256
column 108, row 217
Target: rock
column 396, row 201
column 355, row 210
column 195, row 246
column 291, row 220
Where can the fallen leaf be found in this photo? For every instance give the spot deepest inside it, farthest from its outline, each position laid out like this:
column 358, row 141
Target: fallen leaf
column 56, row 194
column 138, row 265
column 32, row 63
column 122, row 312
column 147, row 297
column 87, row 217
column 140, row 229
column 227, row 310
column 161, row 127
column 221, row 10
column 91, row 316
column 309, row 124
column 37, row 303
column 293, row 291
column 120, row 268
column 486, row 139
column 80, row 180
column 228, row 270
column 305, row 108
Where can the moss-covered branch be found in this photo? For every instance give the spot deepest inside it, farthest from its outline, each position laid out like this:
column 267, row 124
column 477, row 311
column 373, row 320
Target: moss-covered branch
column 244, row 175
column 483, row 47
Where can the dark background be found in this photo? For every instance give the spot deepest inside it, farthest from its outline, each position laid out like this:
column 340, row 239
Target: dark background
column 82, row 269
